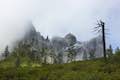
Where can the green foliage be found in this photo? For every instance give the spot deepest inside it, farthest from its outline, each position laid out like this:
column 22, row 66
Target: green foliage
column 95, row 69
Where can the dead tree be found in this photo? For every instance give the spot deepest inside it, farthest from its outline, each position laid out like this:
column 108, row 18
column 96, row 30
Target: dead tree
column 101, row 29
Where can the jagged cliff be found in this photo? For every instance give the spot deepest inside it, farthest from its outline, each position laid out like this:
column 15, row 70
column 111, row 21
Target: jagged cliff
column 60, row 49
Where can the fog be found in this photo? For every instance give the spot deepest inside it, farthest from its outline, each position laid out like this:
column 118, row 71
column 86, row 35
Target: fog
column 57, row 18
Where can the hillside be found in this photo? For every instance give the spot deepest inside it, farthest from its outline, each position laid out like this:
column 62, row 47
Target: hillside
column 61, row 58
column 96, row 69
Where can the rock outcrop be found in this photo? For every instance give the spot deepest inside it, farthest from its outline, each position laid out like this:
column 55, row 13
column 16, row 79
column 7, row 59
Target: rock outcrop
column 56, row 48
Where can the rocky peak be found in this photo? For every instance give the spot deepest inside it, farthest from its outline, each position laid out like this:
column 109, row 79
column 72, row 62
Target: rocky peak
column 70, row 39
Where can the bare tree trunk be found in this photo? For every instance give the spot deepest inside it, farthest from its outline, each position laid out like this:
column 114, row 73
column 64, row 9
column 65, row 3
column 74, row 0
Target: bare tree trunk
column 103, row 38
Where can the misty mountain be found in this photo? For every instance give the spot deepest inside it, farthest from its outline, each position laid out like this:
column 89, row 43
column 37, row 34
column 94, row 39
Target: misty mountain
column 59, row 47
column 93, row 46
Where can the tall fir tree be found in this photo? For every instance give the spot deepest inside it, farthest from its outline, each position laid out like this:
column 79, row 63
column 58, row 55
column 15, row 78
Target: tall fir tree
column 92, row 54
column 110, row 51
column 6, row 52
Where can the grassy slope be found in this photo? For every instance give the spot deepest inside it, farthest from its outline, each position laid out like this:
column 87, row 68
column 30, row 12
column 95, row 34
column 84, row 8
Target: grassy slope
column 82, row 70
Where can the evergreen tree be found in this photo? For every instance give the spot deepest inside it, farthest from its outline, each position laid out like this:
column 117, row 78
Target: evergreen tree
column 110, row 51
column 92, row 54
column 6, row 52
column 47, row 39
column 71, row 54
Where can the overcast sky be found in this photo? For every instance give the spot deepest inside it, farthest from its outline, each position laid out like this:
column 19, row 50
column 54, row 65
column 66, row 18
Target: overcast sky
column 59, row 17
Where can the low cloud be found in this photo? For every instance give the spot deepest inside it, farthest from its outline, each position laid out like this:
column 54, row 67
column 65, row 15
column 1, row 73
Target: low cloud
column 56, row 18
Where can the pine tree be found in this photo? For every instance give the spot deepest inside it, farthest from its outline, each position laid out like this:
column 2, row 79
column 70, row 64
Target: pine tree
column 71, row 54
column 47, row 39
column 6, row 52
column 92, row 54
column 110, row 51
